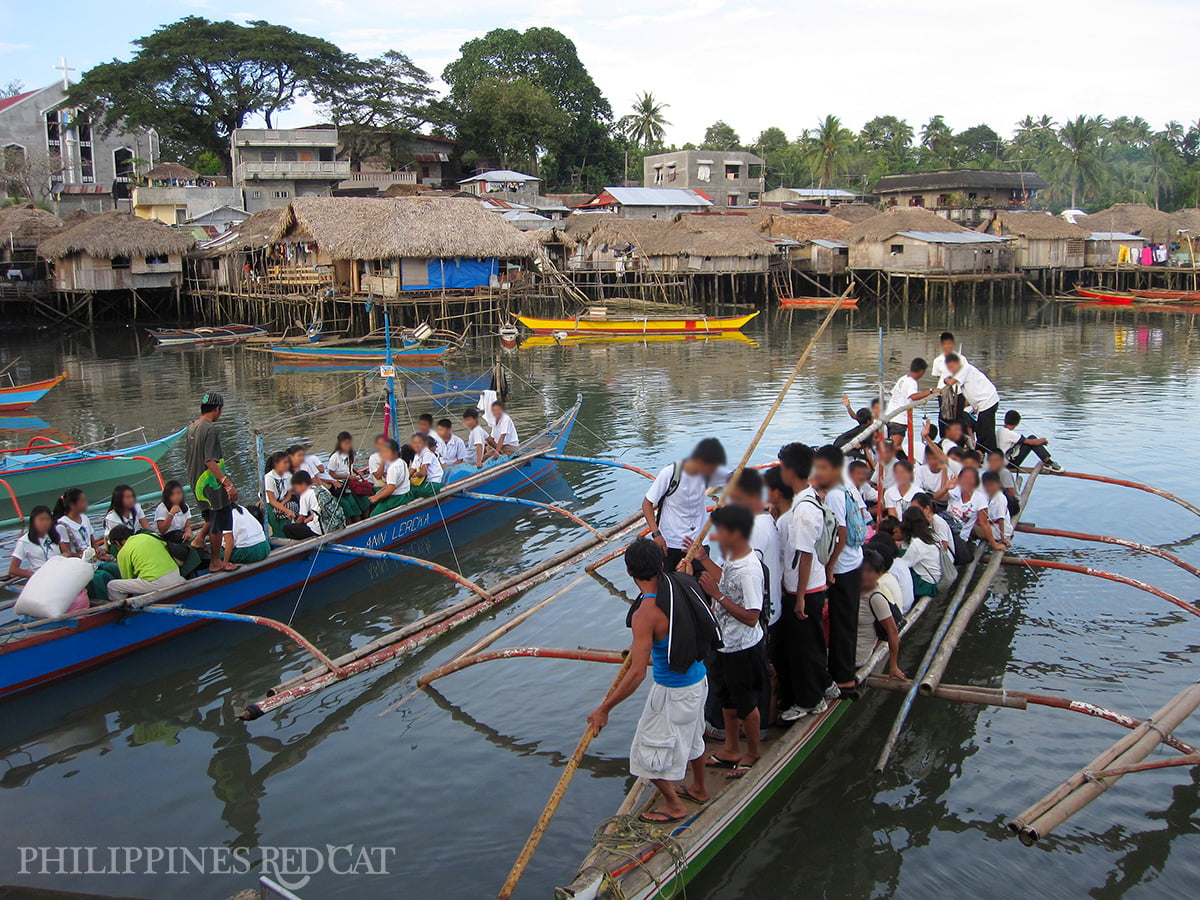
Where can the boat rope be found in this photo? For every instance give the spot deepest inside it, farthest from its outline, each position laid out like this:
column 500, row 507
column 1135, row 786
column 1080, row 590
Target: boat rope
column 622, row 835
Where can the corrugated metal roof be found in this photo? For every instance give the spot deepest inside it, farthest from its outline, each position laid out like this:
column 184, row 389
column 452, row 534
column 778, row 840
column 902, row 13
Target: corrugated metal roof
column 838, row 193
column 643, row 196
column 522, row 215
column 500, row 175
column 1115, row 236
column 16, row 98
column 84, row 189
column 953, row 237
column 831, row 245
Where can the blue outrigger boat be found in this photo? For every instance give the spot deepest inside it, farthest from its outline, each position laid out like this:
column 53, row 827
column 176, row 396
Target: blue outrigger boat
column 34, row 654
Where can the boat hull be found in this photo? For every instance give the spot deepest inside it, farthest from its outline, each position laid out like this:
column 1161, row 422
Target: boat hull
column 73, row 646
column 816, row 303
column 1113, row 298
column 636, row 326
column 316, row 355
column 1165, row 296
column 220, row 334
column 23, row 396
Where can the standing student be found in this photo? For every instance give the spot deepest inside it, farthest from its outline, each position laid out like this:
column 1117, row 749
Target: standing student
column 921, row 552
column 212, row 488
column 503, row 440
column 1016, row 446
column 35, row 547
column 426, row 471
column 452, row 450
column 124, row 509
column 171, row 519
column 948, row 346
column 736, row 588
column 779, row 494
column 676, row 505
column 979, row 393
column 477, row 438
column 843, row 571
column 906, row 390
column 804, row 581
column 673, row 632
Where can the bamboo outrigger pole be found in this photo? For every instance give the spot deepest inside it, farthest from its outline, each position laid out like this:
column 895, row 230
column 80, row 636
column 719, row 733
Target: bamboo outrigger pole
column 1136, row 485
column 1101, row 573
column 535, row 837
column 1120, row 542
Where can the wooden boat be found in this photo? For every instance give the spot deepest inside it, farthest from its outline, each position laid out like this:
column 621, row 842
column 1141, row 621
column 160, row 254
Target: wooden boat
column 597, row 321
column 233, row 333
column 1164, row 295
column 549, row 340
column 34, row 654
column 356, row 356
column 16, row 397
column 1114, row 298
column 816, row 302
column 32, row 474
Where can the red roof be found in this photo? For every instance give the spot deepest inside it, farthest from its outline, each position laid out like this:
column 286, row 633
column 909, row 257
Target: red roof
column 15, row 99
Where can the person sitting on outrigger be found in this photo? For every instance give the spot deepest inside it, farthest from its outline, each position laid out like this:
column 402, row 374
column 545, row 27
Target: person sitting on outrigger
column 1016, row 446
column 171, row 519
column 36, row 545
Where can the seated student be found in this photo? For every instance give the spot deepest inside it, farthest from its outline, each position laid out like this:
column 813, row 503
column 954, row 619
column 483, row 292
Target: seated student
column 965, row 505
column 477, row 439
column 779, row 493
column 376, row 465
column 940, row 527
column 124, row 509
column 995, row 525
column 341, row 477
column 319, row 513
column 898, row 497
column 281, row 505
column 425, row 473
column 1016, row 446
column 425, row 427
column 955, row 435
column 247, row 542
column 887, row 538
column 452, row 449
column 880, row 595
column 397, row 486
column 36, row 545
column 75, row 531
column 145, row 564
column 171, row 519
column 883, row 457
column 1008, row 480
column 736, row 588
column 303, row 461
column 921, row 552
column 858, row 477
column 503, row 440
column 936, row 473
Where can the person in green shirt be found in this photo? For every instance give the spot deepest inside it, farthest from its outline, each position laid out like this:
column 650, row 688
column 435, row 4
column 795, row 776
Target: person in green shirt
column 145, row 564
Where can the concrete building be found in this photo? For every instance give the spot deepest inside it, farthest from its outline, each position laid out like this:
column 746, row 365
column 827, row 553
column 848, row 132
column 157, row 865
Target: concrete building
column 727, row 178
column 827, row 197
column 273, row 166
column 646, row 203
column 48, row 151
column 174, row 194
column 502, row 181
column 918, row 241
column 1040, row 240
column 967, row 196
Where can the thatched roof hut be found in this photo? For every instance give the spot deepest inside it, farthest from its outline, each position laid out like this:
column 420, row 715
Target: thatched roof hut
column 855, row 212
column 596, row 228
column 116, row 234
column 253, row 233
column 806, row 228
column 402, row 227
column 1187, row 220
column 711, row 236
column 1036, row 226
column 24, row 227
column 1132, row 218
column 171, row 172
column 897, row 219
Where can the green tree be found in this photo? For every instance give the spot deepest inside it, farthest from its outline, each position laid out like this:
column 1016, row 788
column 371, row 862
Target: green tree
column 978, row 144
column 889, row 135
column 647, row 124
column 195, row 80
column 720, row 136
column 827, row 150
column 511, row 119
column 1081, row 163
column 937, row 140
column 1161, row 165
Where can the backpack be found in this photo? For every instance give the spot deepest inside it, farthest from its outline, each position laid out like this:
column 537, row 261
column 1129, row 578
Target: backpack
column 829, row 527
column 329, row 511
column 672, row 487
column 765, row 613
column 897, row 617
column 856, row 521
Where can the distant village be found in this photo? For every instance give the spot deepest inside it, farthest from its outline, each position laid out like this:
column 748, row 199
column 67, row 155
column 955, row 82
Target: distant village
column 294, row 222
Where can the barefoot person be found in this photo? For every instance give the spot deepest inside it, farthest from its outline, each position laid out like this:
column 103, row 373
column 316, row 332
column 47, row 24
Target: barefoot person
column 674, row 631
column 214, row 491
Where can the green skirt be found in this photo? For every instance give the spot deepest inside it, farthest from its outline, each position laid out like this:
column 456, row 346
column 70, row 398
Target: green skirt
column 391, row 502
column 427, row 489
column 97, row 589
column 922, row 588
column 354, row 505
column 257, row 553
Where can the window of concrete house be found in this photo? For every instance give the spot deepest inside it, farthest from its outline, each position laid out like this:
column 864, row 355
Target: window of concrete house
column 256, row 195
column 180, row 215
column 754, row 196
column 288, row 156
column 704, row 172
column 269, row 156
column 943, row 200
column 754, row 170
column 733, row 171
column 156, row 259
column 917, row 201
column 120, row 262
column 897, row 249
column 281, row 195
column 84, row 129
column 658, row 174
column 325, row 154
column 123, row 162
column 87, row 167
column 891, row 201
column 14, row 157
column 671, row 172
column 53, row 127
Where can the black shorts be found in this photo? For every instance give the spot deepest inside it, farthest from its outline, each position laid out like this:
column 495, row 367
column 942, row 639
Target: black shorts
column 737, row 678
column 219, row 520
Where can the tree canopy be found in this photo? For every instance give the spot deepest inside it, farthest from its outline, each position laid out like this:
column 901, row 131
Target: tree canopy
column 720, row 136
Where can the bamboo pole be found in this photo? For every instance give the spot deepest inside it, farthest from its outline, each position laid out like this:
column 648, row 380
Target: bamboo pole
column 560, row 789
column 1120, row 542
column 466, row 660
column 1101, row 573
column 1136, row 485
column 1085, row 785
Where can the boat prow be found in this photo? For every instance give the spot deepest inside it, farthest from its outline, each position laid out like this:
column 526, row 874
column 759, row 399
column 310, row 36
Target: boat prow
column 22, row 396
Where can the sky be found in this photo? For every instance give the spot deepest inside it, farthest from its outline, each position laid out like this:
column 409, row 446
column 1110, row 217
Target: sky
column 753, row 63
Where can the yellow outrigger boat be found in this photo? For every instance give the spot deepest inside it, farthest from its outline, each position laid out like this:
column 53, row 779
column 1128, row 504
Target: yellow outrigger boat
column 597, row 321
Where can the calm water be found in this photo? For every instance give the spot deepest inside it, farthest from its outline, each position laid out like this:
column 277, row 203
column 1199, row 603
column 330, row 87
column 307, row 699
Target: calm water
column 149, row 752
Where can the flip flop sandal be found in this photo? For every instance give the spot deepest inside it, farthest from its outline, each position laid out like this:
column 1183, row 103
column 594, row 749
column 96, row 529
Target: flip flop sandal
column 665, row 820
column 685, row 794
column 715, row 762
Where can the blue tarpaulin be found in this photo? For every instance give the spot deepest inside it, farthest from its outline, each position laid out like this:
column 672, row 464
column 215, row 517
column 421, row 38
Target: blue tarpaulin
column 457, row 274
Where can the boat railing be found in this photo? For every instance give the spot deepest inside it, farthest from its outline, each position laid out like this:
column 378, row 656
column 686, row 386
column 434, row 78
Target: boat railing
column 12, row 495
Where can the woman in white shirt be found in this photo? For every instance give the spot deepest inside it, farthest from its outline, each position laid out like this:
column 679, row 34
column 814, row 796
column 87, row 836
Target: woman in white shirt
column 171, row 519
column 426, row 471
column 397, row 488
column 76, row 534
column 966, row 501
column 36, row 545
column 339, row 473
column 280, row 505
column 898, row 497
column 922, row 553
column 125, row 510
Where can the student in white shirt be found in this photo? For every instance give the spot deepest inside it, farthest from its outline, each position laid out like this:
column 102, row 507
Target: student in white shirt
column 35, row 546
column 171, row 519
column 124, row 509
column 76, row 534
column 452, row 450
column 280, row 505
column 303, row 461
column 999, row 528
column 906, row 390
column 939, row 370
column 921, row 552
column 425, row 427
column 879, row 593
column 966, row 502
column 247, row 542
column 858, row 476
column 804, row 581
column 312, row 497
column 941, row 529
column 883, row 458
column 979, row 393
column 375, row 462
column 426, row 471
column 676, row 505
column 397, row 487
column 1016, row 446
column 341, row 477
column 897, row 498
column 503, row 440
column 477, row 439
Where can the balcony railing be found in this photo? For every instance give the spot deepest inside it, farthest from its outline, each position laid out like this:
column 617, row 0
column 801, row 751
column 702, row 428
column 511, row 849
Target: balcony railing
column 308, row 137
column 383, row 179
column 246, row 171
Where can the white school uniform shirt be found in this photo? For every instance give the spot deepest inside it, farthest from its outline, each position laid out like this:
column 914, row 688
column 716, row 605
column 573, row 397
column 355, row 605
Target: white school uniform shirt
column 177, row 522
column 310, row 507
column 939, row 370
column 32, row 556
column 133, row 521
column 998, row 515
column 434, row 473
column 889, row 475
column 338, row 465
column 866, row 493
column 851, row 557
column 902, row 573
column 925, row 479
column 977, row 388
column 902, row 393
column 312, row 465
column 247, row 530
column 374, row 461
column 77, row 536
column 397, row 474
column 893, row 499
column 683, row 513
column 742, row 582
column 942, row 533
column 1007, row 438
column 925, row 560
column 807, row 521
column 764, row 540
column 965, row 512
column 437, row 441
column 454, row 451
column 280, row 485
column 477, row 437
column 504, row 432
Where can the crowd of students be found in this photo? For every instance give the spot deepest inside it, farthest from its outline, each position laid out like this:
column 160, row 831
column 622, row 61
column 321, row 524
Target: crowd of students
column 302, row 497
column 808, row 567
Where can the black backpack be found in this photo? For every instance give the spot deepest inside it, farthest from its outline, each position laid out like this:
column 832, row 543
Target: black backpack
column 897, row 617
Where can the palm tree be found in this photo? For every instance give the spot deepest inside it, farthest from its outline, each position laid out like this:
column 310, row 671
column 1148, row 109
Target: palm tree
column 1159, row 168
column 1081, row 164
column 937, row 139
column 827, row 149
column 646, row 125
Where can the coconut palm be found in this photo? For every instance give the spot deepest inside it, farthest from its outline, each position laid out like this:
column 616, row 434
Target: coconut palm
column 1159, row 170
column 1081, row 162
column 827, row 149
column 646, row 125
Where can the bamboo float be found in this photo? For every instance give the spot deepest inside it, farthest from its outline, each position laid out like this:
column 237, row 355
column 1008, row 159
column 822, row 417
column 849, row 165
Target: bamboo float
column 592, row 461
column 1086, row 785
column 1120, row 542
column 1136, row 485
column 466, row 660
column 1101, row 573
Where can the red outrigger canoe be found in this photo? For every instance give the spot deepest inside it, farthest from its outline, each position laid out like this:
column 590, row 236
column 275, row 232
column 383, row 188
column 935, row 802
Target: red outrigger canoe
column 816, row 302
column 22, row 396
column 1103, row 295
column 1165, row 295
